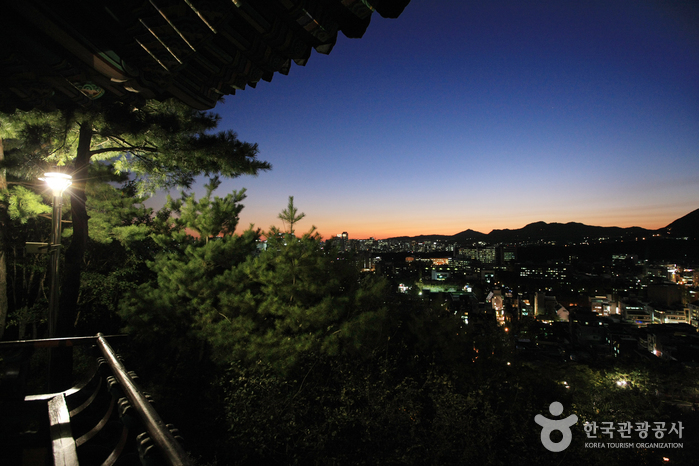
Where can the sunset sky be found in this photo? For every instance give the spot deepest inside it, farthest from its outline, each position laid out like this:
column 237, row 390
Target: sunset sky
column 483, row 115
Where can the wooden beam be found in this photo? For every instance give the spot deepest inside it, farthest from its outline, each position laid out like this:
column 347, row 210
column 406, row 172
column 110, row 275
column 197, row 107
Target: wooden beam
column 63, row 443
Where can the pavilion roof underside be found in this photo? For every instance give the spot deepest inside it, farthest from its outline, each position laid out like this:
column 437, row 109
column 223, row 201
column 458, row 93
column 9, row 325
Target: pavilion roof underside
column 60, row 54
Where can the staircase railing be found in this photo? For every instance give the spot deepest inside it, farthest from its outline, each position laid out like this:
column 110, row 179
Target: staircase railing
column 143, row 430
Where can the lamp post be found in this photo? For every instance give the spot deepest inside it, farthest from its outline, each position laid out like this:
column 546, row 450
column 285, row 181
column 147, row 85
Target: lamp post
column 58, row 182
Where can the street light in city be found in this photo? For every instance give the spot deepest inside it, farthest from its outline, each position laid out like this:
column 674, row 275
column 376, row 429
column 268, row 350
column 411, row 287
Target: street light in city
column 58, row 182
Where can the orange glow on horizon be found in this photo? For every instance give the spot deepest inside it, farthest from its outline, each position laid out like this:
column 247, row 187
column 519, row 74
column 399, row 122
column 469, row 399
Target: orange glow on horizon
column 365, row 225
column 393, row 231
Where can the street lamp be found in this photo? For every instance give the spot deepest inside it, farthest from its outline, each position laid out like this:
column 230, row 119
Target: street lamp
column 58, row 182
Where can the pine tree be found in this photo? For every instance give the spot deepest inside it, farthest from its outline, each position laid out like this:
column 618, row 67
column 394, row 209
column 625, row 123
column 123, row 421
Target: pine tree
column 115, row 255
column 26, row 217
column 191, row 273
column 275, row 305
column 4, row 222
column 289, row 216
column 162, row 144
column 17, row 203
column 209, row 217
column 117, row 251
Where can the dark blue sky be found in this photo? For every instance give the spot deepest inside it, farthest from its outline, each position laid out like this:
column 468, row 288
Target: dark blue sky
column 484, row 115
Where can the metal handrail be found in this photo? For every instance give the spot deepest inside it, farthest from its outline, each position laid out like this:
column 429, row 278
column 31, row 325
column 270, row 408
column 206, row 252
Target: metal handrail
column 164, row 441
column 172, row 451
column 54, row 342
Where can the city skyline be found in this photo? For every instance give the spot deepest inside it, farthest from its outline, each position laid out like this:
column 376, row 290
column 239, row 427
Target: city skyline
column 482, row 116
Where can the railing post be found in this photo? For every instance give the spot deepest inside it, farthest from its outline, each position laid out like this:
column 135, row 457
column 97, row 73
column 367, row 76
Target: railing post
column 170, row 448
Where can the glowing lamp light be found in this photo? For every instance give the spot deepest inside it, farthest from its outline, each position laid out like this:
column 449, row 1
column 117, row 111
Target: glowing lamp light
column 621, row 383
column 58, row 182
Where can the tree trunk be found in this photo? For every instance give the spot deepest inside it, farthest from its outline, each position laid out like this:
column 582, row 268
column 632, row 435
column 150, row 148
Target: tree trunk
column 4, row 221
column 60, row 377
column 75, row 252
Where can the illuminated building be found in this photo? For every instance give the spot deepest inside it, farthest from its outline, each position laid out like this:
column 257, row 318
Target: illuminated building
column 676, row 315
column 484, row 255
column 694, row 313
column 508, row 254
column 344, row 241
column 603, row 305
column 638, row 313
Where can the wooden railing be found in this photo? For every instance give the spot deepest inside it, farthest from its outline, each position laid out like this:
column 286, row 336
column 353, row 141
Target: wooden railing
column 76, row 416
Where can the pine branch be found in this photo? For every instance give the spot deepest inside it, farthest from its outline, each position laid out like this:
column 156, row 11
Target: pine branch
column 131, row 149
column 148, row 161
column 126, row 147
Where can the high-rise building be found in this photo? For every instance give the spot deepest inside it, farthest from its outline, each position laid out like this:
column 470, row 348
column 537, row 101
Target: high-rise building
column 344, row 241
column 508, row 254
column 484, row 255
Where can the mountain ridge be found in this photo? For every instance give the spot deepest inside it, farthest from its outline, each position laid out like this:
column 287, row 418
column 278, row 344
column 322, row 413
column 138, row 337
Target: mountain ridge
column 686, row 226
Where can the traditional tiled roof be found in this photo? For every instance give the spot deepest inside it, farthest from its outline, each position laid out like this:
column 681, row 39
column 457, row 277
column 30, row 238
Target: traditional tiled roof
column 62, row 53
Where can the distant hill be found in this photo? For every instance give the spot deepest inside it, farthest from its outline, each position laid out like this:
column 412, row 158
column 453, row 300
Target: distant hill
column 563, row 232
column 423, row 238
column 464, row 236
column 469, row 235
column 687, row 226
